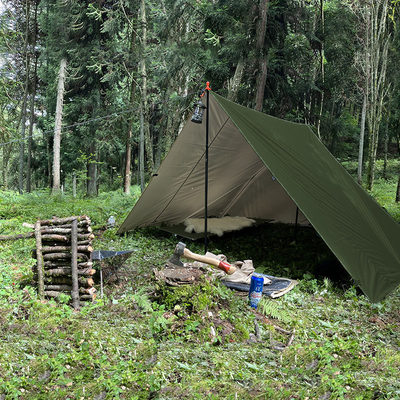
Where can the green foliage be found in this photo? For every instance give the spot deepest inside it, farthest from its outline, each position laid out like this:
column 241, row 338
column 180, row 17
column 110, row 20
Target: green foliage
column 273, row 309
column 384, row 190
column 40, row 205
column 143, row 342
column 187, row 41
column 190, row 298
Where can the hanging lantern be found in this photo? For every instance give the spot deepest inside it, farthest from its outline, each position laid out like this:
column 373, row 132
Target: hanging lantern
column 197, row 117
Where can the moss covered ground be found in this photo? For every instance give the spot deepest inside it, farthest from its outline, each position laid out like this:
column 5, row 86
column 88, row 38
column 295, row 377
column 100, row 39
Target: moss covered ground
column 144, row 340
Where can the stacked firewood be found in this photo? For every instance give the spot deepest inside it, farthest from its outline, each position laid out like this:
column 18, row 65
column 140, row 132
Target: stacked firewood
column 63, row 253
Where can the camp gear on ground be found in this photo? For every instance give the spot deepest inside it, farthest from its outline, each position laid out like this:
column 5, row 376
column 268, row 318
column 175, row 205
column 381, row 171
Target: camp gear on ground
column 181, row 250
column 276, row 288
column 255, row 291
column 262, row 167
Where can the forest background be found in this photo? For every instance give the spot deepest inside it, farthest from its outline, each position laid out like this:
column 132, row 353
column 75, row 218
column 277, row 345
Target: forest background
column 95, row 92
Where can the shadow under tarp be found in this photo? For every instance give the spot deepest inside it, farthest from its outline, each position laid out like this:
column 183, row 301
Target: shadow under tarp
column 180, row 231
column 278, row 286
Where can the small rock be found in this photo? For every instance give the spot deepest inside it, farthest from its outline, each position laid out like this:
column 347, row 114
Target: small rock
column 252, row 338
column 111, row 222
column 312, row 364
column 325, row 396
column 45, row 376
column 101, row 396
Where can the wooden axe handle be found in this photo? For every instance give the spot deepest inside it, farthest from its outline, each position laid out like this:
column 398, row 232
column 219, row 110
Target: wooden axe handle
column 229, row 269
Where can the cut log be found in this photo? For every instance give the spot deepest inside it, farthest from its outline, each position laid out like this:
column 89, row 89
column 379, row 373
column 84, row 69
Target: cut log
column 16, row 237
column 84, row 257
column 90, row 291
column 56, row 249
column 65, row 256
column 52, row 234
column 57, row 256
column 52, row 293
column 50, row 242
column 81, row 224
column 74, row 264
column 66, row 280
column 86, row 272
column 84, row 265
column 65, row 231
column 86, row 282
column 60, row 221
column 58, row 288
column 56, row 238
column 39, row 260
column 85, row 236
column 57, row 280
column 65, row 263
column 66, row 271
column 82, row 296
column 87, row 297
column 67, row 289
column 85, row 243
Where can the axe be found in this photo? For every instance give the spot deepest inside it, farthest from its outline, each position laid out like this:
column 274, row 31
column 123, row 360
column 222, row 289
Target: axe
column 181, row 250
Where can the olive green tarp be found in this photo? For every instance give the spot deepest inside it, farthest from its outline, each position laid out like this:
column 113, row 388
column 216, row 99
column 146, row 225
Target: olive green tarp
column 263, row 167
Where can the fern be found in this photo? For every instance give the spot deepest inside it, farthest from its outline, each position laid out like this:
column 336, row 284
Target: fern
column 273, row 309
column 143, row 302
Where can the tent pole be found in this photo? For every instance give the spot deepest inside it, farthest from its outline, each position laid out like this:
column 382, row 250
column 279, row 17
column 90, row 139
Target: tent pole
column 206, row 171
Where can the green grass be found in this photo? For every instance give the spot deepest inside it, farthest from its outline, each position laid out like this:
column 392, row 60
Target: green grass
column 147, row 341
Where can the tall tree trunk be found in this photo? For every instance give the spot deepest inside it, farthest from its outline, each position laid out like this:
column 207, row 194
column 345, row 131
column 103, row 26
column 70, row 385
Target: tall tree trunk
column 377, row 53
column 309, row 97
column 7, row 151
column 47, row 140
column 31, row 123
column 143, row 74
column 141, row 151
column 261, row 80
column 128, row 158
column 361, row 141
column 128, row 145
column 385, row 148
column 234, row 83
column 92, row 171
column 22, row 145
column 32, row 106
column 57, row 126
column 262, row 56
column 322, row 67
column 24, row 101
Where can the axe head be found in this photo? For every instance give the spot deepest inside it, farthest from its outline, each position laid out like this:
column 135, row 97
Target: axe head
column 176, row 257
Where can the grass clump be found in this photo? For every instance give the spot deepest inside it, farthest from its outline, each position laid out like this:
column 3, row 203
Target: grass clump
column 143, row 341
column 198, row 312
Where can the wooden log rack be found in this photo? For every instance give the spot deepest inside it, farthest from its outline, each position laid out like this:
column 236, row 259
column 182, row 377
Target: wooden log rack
column 64, row 259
